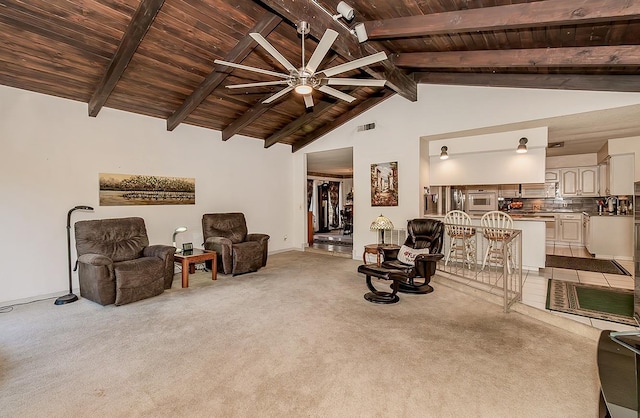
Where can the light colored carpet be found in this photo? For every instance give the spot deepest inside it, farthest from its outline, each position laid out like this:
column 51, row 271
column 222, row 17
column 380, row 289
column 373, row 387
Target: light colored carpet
column 296, row 339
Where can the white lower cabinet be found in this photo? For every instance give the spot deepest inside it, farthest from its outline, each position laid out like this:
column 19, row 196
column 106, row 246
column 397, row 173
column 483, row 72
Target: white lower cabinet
column 611, row 236
column 570, row 228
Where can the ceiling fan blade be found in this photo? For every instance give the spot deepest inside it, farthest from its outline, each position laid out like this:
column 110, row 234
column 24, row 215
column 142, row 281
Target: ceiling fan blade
column 355, row 82
column 254, row 69
column 273, row 51
column 262, row 83
column 308, row 100
column 278, row 95
column 323, row 47
column 352, row 65
column 336, row 93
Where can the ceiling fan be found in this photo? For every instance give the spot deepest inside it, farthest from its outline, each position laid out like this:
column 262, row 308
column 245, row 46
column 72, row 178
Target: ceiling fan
column 305, row 79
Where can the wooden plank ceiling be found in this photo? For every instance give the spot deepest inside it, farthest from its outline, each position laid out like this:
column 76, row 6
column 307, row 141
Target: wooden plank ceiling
column 156, row 57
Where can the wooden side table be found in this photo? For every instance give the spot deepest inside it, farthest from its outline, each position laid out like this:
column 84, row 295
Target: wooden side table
column 373, row 249
column 190, row 257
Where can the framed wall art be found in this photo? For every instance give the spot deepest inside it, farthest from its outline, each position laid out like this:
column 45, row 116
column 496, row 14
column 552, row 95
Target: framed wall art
column 384, row 184
column 134, row 189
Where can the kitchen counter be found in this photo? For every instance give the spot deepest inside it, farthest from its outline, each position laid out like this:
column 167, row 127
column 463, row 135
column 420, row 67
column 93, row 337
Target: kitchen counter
column 520, row 216
column 531, row 216
column 533, row 231
column 607, row 214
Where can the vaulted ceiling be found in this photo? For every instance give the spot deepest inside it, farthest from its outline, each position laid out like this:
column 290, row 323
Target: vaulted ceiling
column 156, row 57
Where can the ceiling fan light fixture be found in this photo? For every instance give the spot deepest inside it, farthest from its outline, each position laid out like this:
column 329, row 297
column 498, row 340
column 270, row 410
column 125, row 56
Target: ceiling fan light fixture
column 305, row 79
column 303, row 89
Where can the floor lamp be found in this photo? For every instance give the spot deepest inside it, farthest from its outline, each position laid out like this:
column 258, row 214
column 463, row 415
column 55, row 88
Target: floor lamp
column 70, row 297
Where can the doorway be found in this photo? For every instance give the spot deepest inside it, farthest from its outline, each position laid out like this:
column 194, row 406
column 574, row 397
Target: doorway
column 330, row 209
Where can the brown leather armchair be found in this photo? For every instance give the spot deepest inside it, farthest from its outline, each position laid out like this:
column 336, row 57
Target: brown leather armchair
column 116, row 263
column 238, row 251
column 423, row 233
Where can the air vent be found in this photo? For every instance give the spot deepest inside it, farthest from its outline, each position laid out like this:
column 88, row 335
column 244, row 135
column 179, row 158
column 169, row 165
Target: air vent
column 556, row 144
column 366, row 127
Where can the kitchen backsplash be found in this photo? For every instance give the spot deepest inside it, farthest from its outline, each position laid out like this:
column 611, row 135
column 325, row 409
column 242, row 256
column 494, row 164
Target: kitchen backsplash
column 575, row 204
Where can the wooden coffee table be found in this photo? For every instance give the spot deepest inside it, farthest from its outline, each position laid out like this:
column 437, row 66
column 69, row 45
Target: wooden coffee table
column 189, row 258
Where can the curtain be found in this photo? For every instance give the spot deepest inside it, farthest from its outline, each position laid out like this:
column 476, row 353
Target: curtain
column 334, row 189
column 309, row 193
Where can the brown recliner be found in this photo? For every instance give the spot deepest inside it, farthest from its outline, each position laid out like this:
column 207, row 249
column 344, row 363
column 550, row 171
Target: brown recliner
column 116, row 263
column 238, row 251
column 423, row 233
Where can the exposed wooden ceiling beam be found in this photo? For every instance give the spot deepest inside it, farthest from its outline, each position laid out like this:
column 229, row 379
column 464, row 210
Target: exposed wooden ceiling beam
column 267, row 24
column 138, row 27
column 597, row 56
column 297, row 124
column 513, row 16
column 346, row 45
column 246, row 119
column 355, row 111
column 333, row 176
column 623, row 83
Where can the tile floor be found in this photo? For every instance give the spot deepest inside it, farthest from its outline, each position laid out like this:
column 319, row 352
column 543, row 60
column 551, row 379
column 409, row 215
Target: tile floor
column 534, row 291
column 336, row 250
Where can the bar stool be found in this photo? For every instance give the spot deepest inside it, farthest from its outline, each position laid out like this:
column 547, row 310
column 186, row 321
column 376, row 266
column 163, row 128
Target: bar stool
column 463, row 245
column 497, row 228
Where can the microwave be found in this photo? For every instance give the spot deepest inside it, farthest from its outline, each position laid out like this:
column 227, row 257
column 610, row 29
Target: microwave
column 482, row 201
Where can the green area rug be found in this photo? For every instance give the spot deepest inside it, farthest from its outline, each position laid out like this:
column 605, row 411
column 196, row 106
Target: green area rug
column 586, row 264
column 598, row 302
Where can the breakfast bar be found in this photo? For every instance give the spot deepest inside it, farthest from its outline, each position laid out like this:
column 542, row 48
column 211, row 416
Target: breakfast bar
column 533, row 229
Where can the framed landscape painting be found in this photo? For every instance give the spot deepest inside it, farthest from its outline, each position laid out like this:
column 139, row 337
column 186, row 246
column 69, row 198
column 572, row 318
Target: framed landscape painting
column 134, row 189
column 384, row 184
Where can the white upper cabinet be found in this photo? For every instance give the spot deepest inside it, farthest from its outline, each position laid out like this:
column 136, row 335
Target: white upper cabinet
column 621, row 174
column 580, row 181
column 535, row 190
column 508, row 190
column 603, row 174
column 588, row 181
column 552, row 175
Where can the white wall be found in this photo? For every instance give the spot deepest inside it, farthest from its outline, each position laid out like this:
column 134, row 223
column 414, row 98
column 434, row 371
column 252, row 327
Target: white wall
column 386, row 143
column 469, row 156
column 576, row 160
column 440, row 109
column 52, row 153
column 488, row 168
